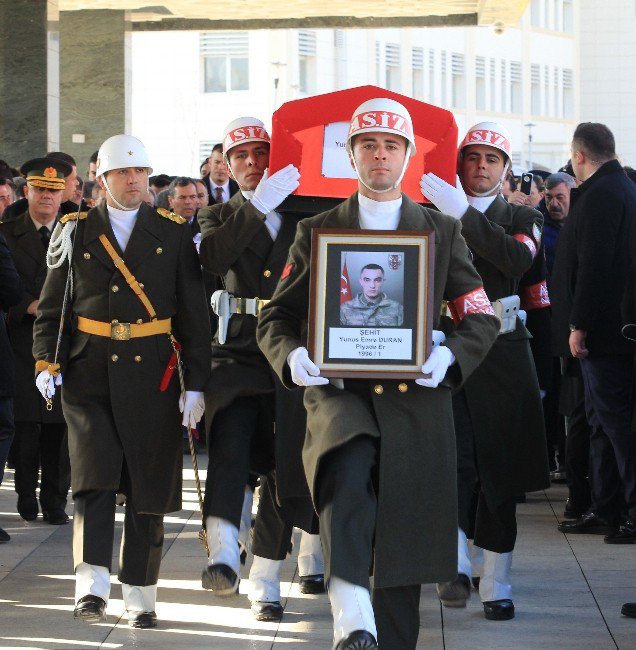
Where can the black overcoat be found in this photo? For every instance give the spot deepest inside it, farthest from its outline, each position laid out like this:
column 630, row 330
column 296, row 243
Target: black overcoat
column 115, row 412
column 416, row 523
column 10, row 295
column 237, row 247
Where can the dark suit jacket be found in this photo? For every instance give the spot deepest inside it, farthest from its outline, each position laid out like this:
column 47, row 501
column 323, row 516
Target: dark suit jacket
column 10, row 294
column 234, row 188
column 592, row 284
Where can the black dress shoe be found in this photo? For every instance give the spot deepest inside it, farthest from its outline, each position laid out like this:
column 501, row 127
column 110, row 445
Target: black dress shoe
column 312, row 584
column 456, row 592
column 629, row 609
column 358, row 640
column 4, row 536
column 28, row 507
column 55, row 517
column 571, row 511
column 588, row 524
column 626, row 534
column 264, row 611
column 221, row 579
column 90, row 609
column 499, row 610
column 142, row 620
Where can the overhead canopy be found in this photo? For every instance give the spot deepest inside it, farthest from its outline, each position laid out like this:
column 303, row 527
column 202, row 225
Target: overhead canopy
column 256, row 14
column 311, row 133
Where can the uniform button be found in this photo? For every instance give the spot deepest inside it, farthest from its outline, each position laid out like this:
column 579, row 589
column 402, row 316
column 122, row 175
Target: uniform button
column 159, row 251
column 139, row 321
column 402, row 387
column 378, row 389
column 137, row 358
column 114, row 321
column 115, row 288
column 267, row 273
column 114, row 357
column 87, row 256
column 141, row 286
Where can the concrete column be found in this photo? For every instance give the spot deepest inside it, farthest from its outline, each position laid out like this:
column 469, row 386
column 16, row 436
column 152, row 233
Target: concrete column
column 95, row 80
column 29, row 79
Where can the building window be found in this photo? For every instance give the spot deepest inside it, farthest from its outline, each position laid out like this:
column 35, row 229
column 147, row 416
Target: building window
column 535, row 13
column 378, row 64
column 480, row 83
column 417, row 62
column 205, row 147
column 225, row 61
column 431, row 77
column 443, row 99
column 493, row 86
column 516, row 91
column 568, row 93
column 557, row 112
column 458, row 81
column 307, row 62
column 546, row 90
column 535, row 89
column 340, row 49
column 568, row 16
column 392, row 62
column 504, row 87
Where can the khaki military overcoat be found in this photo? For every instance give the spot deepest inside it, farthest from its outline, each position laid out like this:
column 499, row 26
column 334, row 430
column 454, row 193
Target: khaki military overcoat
column 115, row 413
column 416, row 529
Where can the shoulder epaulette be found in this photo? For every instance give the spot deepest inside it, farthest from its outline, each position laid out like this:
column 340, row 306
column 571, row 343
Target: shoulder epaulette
column 72, row 216
column 166, row 214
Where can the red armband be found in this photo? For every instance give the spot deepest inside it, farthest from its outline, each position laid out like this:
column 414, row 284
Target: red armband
column 535, row 296
column 473, row 302
column 528, row 241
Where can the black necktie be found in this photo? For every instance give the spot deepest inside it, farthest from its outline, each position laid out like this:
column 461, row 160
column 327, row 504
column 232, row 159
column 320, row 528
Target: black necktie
column 45, row 236
column 219, row 194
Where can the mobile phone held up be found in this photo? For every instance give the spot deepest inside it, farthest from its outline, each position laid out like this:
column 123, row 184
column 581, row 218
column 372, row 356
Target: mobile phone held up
column 526, row 183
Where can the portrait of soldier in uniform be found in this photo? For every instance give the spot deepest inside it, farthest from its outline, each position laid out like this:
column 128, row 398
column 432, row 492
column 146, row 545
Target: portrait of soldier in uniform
column 372, row 306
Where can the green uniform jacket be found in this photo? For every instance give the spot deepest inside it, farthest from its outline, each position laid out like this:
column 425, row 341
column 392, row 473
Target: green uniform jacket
column 417, row 500
column 29, row 257
column 114, row 410
column 503, row 393
column 237, row 246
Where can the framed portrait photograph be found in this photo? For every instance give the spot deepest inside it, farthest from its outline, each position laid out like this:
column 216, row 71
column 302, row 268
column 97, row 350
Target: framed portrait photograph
column 370, row 302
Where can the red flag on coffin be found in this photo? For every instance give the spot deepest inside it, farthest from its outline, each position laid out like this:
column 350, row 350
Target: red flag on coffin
column 345, row 287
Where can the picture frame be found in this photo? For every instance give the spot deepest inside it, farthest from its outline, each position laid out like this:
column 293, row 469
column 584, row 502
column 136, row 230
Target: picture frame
column 370, row 302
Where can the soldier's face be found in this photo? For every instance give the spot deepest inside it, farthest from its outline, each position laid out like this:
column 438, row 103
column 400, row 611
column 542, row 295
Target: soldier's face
column 481, row 168
column 248, row 162
column 218, row 169
column 371, row 282
column 185, row 201
column 128, row 185
column 44, row 203
column 379, row 158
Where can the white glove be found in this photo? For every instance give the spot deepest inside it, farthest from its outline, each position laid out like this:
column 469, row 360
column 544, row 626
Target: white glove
column 446, row 198
column 304, row 371
column 192, row 405
column 273, row 190
column 437, row 364
column 46, row 383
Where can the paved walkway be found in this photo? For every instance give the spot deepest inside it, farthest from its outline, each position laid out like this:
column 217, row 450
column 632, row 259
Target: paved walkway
column 568, row 593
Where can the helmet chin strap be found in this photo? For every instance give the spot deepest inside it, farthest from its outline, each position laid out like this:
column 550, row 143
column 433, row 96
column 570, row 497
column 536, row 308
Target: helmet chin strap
column 397, row 182
column 114, row 200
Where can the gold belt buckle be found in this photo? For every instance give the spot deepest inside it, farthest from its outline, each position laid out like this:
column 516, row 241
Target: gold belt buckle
column 120, row 331
column 260, row 303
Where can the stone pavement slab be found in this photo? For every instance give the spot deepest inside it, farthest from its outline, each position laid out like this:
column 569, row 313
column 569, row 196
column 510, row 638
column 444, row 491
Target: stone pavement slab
column 568, row 591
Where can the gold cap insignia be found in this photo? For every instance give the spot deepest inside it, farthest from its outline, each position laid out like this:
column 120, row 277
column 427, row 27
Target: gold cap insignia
column 50, row 172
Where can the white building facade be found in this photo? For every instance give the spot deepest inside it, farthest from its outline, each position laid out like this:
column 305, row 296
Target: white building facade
column 188, row 85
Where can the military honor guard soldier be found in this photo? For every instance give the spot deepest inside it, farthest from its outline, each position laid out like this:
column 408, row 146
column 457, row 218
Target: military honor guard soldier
column 498, row 414
column 118, row 336
column 245, row 242
column 40, row 434
column 357, row 434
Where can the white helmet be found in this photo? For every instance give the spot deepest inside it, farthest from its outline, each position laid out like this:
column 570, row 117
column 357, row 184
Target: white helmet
column 491, row 134
column 382, row 115
column 121, row 151
column 242, row 130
